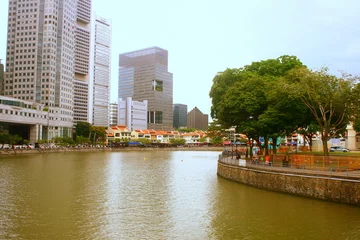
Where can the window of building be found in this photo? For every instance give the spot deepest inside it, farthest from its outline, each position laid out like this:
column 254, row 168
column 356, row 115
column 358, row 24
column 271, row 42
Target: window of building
column 155, row 117
column 157, row 85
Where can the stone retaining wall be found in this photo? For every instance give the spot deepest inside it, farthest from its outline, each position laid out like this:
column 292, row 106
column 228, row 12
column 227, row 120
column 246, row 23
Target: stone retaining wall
column 330, row 189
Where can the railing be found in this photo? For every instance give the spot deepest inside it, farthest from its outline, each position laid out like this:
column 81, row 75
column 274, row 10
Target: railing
column 305, row 164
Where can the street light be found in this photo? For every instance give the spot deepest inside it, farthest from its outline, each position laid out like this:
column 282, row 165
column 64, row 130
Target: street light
column 231, row 130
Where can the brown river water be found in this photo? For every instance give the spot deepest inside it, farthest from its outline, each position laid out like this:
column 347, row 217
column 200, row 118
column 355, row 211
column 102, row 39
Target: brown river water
column 153, row 195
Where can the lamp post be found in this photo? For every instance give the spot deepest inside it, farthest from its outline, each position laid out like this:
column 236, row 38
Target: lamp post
column 231, row 130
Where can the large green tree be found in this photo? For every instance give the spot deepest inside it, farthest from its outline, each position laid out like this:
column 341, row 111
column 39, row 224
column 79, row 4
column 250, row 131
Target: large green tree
column 329, row 98
column 251, row 99
column 83, row 129
column 97, row 133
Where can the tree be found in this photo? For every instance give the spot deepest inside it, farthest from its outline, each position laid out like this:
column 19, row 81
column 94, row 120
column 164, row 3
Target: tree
column 221, row 83
column 82, row 140
column 275, row 67
column 4, row 138
column 177, row 141
column 186, row 130
column 215, row 133
column 250, row 99
column 83, row 129
column 97, row 134
column 309, row 132
column 329, row 98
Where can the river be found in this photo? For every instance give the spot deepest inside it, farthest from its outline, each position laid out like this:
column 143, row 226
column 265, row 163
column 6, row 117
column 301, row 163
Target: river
column 153, row 195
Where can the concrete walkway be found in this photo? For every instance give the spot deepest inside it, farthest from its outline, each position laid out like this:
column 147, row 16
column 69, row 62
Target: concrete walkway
column 346, row 175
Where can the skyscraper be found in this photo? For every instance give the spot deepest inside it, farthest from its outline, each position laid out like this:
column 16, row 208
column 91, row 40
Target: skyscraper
column 48, row 43
column 1, row 76
column 180, row 115
column 196, row 119
column 82, row 61
column 100, row 72
column 143, row 75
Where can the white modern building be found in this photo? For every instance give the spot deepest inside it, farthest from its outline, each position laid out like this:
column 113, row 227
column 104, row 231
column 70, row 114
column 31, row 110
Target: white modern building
column 113, row 117
column 99, row 87
column 132, row 114
column 30, row 120
column 47, row 60
column 82, row 59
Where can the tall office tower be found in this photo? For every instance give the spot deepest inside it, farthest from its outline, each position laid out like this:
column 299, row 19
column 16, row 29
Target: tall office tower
column 196, row 119
column 1, row 78
column 113, row 114
column 100, row 71
column 143, row 75
column 82, row 61
column 132, row 114
column 40, row 56
column 180, row 115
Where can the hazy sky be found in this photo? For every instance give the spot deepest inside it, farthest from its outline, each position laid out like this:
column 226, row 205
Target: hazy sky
column 204, row 37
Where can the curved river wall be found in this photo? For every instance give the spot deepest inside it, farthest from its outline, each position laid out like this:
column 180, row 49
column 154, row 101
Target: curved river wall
column 325, row 188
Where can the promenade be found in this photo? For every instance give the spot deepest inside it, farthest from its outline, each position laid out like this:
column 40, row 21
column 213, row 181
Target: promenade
column 294, row 169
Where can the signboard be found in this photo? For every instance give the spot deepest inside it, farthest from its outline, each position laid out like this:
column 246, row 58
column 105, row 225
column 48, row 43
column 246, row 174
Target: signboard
column 242, row 162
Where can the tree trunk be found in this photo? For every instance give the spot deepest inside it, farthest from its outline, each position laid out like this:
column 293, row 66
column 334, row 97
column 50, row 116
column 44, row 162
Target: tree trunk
column 324, row 143
column 274, row 144
column 266, row 145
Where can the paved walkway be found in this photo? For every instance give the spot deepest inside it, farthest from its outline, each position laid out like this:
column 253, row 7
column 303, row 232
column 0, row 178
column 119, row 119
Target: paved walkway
column 348, row 175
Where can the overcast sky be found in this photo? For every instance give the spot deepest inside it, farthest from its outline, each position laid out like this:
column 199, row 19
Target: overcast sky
column 204, row 37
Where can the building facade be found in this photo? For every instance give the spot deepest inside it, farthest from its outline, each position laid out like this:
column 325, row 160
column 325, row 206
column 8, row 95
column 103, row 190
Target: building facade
column 132, row 114
column 2, row 69
column 82, row 49
column 99, row 97
column 143, row 75
column 196, row 119
column 45, row 50
column 180, row 115
column 113, row 116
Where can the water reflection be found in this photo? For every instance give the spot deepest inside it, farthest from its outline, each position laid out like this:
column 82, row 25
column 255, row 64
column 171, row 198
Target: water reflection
column 153, row 195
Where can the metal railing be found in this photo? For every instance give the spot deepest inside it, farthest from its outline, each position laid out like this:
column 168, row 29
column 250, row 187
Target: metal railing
column 306, row 164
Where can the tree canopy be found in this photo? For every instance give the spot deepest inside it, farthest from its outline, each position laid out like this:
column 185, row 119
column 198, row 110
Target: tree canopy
column 277, row 97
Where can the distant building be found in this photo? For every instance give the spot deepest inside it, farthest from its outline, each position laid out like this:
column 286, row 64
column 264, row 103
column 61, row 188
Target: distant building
column 113, row 114
column 1, row 77
column 100, row 72
column 132, row 114
column 143, row 75
column 196, row 119
column 180, row 115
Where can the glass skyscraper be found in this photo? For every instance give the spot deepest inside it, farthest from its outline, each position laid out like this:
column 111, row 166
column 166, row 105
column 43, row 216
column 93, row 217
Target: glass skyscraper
column 180, row 115
column 143, row 75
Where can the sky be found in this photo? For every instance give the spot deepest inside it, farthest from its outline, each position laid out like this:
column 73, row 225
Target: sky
column 204, row 37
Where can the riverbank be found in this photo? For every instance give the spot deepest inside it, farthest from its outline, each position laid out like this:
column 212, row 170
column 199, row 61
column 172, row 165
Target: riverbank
column 328, row 188
column 10, row 152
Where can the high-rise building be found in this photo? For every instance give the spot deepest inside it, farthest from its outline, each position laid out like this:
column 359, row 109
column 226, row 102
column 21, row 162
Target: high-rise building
column 82, row 79
column 47, row 45
column 132, row 114
column 100, row 72
column 113, row 114
column 180, row 115
column 1, row 77
column 196, row 119
column 143, row 75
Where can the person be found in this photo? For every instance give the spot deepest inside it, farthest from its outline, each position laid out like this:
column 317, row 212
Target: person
column 255, row 159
